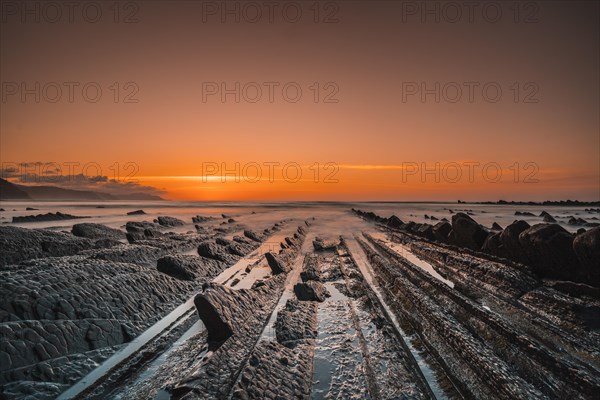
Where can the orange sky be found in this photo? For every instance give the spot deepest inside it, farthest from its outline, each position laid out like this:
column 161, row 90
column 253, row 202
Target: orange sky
column 371, row 56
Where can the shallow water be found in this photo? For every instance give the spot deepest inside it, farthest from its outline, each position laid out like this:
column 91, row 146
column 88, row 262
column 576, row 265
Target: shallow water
column 114, row 213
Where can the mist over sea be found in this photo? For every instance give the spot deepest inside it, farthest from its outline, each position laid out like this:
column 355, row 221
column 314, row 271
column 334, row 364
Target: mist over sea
column 114, row 213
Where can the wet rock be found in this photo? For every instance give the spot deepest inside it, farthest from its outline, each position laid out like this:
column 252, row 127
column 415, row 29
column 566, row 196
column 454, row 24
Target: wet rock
column 466, row 232
column 19, row 244
column 311, row 270
column 198, row 219
column 577, row 221
column 549, row 219
column 139, row 254
column 213, row 251
column 549, row 249
column 320, row 244
column 252, row 235
column 441, row 230
column 296, row 322
column 169, row 221
column 276, row 264
column 509, row 239
column 426, row 231
column 496, row 227
column 587, row 249
column 311, row 291
column 524, row 213
column 492, row 244
column 394, row 222
column 276, row 372
column 141, row 230
column 96, row 231
column 137, row 212
column 45, row 217
column 179, row 266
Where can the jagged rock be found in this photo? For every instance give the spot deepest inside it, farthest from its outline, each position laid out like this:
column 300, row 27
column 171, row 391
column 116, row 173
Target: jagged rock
column 320, row 244
column 96, row 231
column 524, row 213
column 426, row 231
column 311, row 269
column 212, row 250
column 311, row 291
column 45, row 217
column 492, row 244
column 577, row 221
column 198, row 218
column 296, row 322
column 276, row 264
column 252, row 235
column 466, row 232
column 169, row 221
column 179, row 266
column 549, row 249
column 509, row 239
column 496, row 227
column 130, row 253
column 19, row 244
column 137, row 212
column 141, row 230
column 441, row 230
column 394, row 222
column 587, row 249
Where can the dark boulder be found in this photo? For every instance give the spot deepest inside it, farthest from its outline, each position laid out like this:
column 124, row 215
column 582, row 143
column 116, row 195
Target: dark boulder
column 58, row 216
column 509, row 239
column 252, row 235
column 441, row 230
column 493, row 244
column 311, row 291
column 276, row 264
column 179, row 266
column 137, row 212
column 524, row 213
column 19, row 244
column 426, row 231
column 394, row 222
column 548, row 248
column 496, row 227
column 466, row 232
column 212, row 250
column 320, row 244
column 96, row 231
column 169, row 221
column 587, row 250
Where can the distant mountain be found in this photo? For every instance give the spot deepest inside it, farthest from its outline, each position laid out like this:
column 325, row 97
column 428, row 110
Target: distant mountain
column 11, row 191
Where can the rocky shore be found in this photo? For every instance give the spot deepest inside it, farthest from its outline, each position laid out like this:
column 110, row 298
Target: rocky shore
column 311, row 308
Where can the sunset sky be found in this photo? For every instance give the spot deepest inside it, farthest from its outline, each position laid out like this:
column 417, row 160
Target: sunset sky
column 370, row 131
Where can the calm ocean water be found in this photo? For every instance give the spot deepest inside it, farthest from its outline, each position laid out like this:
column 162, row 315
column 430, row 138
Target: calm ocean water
column 114, row 213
